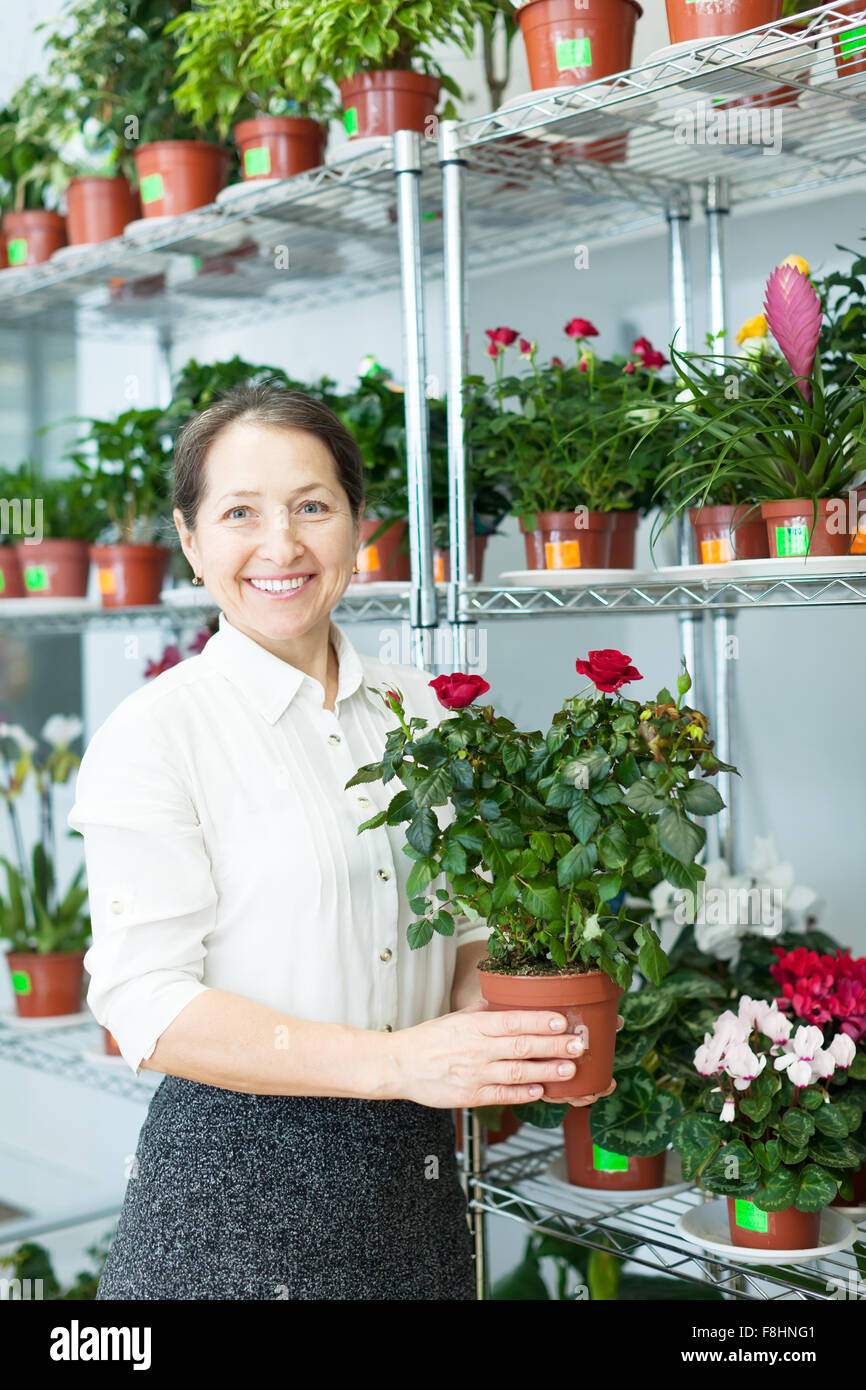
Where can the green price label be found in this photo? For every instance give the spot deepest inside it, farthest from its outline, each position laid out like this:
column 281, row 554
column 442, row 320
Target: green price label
column 2, row 581
column 257, row 161
column 573, row 53
column 750, row 1217
column 852, row 41
column 35, row 577
column 606, row 1162
column 21, row 983
column 150, row 188
column 350, row 120
column 792, row 540
column 16, row 251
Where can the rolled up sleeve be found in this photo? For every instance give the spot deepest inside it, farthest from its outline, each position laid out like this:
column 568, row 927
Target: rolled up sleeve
column 151, row 889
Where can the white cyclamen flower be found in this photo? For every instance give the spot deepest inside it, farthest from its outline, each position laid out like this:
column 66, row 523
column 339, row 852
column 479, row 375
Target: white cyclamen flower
column 708, row 1058
column 799, row 1071
column 61, row 729
column 729, row 1110
column 774, row 1024
column 729, row 1030
column 823, row 1065
column 842, row 1049
column 743, row 1065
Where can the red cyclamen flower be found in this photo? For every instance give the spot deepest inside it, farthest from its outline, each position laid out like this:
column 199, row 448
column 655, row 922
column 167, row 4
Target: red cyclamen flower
column 458, row 690
column 580, row 328
column 608, row 669
column 793, row 311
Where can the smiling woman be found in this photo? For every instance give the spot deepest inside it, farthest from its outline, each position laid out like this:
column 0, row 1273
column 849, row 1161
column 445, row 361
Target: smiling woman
column 252, row 946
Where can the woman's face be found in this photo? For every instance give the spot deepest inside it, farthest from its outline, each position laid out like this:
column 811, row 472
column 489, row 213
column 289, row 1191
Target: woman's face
column 273, row 509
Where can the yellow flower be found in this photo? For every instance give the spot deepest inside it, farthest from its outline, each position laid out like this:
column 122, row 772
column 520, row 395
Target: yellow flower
column 753, row 328
column 797, row 262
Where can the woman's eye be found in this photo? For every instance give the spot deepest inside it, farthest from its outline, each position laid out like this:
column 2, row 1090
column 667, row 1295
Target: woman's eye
column 232, row 510
column 314, row 504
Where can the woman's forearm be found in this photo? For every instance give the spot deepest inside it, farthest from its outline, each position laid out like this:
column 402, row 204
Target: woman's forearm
column 223, row 1039
column 465, row 989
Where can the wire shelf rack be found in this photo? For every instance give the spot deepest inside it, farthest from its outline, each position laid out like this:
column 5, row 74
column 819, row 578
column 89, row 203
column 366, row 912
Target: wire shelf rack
column 73, row 1052
column 516, row 1185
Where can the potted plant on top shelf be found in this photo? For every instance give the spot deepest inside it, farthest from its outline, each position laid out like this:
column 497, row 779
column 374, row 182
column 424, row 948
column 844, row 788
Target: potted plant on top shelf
column 546, row 831
column 47, row 934
column 768, row 423
column 234, row 75
column 704, row 19
column 570, row 452
column 119, row 59
column 568, row 44
column 32, row 177
column 124, row 464
column 378, row 53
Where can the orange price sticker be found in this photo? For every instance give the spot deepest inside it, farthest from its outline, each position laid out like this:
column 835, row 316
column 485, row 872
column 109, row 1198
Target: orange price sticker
column 858, row 544
column 106, row 581
column 562, row 555
column 439, row 569
column 368, row 558
column 716, row 552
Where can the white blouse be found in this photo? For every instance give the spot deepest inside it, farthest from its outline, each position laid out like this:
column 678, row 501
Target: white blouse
column 222, row 851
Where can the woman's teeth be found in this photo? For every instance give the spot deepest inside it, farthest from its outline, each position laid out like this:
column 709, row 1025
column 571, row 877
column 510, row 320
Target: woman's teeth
column 279, row 586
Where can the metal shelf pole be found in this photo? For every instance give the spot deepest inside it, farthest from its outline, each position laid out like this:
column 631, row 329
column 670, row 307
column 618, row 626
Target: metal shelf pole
column 720, row 828
column 456, row 368
column 422, row 597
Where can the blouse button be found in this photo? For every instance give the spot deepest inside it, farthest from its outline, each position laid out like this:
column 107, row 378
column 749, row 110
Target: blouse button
column 334, row 738
column 117, row 906
column 363, row 801
column 384, row 874
column 386, row 954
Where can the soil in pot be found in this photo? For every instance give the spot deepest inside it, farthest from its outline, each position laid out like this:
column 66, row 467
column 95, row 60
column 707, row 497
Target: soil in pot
column 380, row 103
column 99, row 209
column 46, row 985
column 589, row 1165
column 382, row 558
column 589, row 1004
column 176, row 176
column 726, row 533
column 568, row 44
column 715, row 19
column 791, row 530
column 54, row 568
column 11, row 582
column 33, row 237
column 849, row 45
column 130, row 575
column 442, row 561
column 557, row 543
column 278, row 147
column 772, row 1230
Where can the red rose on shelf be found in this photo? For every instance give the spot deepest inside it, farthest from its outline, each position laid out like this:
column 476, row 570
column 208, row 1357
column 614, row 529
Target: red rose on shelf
column 581, row 328
column 640, row 346
column 608, row 669
column 582, row 365
column 494, row 349
column 505, row 336
column 556, row 362
column 629, row 368
column 458, row 690
column 654, row 359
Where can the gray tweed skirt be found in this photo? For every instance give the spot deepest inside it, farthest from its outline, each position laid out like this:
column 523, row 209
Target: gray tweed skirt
column 237, row 1196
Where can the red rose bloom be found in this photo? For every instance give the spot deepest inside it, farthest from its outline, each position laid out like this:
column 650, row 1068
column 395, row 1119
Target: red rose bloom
column 608, row 669
column 556, row 362
column 641, row 346
column 505, row 336
column 458, row 690
column 629, row 368
column 654, row 359
column 580, row 328
column 581, row 366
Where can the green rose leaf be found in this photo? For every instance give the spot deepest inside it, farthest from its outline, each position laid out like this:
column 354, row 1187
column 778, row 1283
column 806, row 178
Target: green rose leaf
column 641, row 796
column 678, row 836
column 419, row 934
column 422, row 832
column 579, row 862
column 613, row 848
column 542, row 900
column 542, row 842
column 433, row 789
column 701, row 798
column 584, row 820
column 423, row 871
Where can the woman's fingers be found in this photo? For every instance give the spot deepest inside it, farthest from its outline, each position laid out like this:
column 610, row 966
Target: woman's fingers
column 619, row 1021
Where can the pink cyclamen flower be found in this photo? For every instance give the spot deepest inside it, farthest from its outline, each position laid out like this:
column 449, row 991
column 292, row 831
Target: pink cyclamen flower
column 580, row 328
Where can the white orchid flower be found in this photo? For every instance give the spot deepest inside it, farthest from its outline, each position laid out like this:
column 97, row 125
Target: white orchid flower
column 19, row 736
column 61, row 729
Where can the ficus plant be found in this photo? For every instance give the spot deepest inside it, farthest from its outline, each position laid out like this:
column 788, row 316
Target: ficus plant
column 548, row 828
column 124, row 465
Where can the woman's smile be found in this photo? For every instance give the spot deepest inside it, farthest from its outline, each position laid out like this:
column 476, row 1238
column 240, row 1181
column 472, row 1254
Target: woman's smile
column 279, row 588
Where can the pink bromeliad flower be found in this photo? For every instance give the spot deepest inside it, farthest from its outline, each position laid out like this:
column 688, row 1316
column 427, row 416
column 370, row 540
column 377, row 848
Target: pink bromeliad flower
column 793, row 312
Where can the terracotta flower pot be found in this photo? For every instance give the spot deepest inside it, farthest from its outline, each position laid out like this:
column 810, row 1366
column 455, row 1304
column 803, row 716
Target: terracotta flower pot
column 4, row 259
column 772, row 1230
column 382, row 558
column 790, row 527
column 787, row 95
column 46, row 985
column 708, row 19
column 176, row 176
column 589, row 1165
column 587, row 1001
column 557, row 544
column 11, row 581
column 850, row 44
column 278, row 147
column 99, row 209
column 569, row 44
column 722, row 533
column 622, row 539
column 130, row 576
column 510, row 1125
column 858, row 542
column 858, row 1182
column 380, row 103
column 442, row 561
column 109, row 1044
column 33, row 237
column 54, row 568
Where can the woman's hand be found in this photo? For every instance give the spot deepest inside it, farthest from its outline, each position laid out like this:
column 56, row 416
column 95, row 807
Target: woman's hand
column 588, row 1100
column 481, row 1056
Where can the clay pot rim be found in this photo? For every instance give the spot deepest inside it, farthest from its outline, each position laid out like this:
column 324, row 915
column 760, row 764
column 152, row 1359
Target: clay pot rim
column 33, row 212
column 376, row 78
column 50, row 540
column 717, row 511
column 127, row 545
column 560, row 975
column 222, row 150
column 789, row 503
column 46, row 955
column 529, row 3
column 276, row 124
column 79, row 179
column 561, row 526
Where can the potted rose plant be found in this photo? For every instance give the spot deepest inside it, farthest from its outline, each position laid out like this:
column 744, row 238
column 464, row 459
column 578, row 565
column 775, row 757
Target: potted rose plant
column 378, row 54
column 767, row 1135
column 234, row 74
column 578, row 471
column 47, row 933
column 129, row 486
column 546, row 831
column 769, row 424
